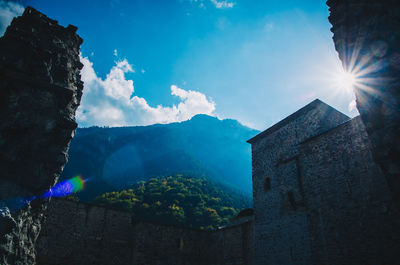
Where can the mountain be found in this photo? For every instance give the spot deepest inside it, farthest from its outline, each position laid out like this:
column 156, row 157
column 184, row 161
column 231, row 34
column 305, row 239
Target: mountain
column 178, row 200
column 118, row 157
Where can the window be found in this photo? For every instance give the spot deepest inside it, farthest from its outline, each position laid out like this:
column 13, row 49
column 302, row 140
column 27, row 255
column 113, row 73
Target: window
column 292, row 200
column 267, row 184
column 180, row 243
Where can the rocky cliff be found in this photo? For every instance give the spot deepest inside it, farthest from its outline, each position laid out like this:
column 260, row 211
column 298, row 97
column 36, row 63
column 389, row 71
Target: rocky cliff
column 40, row 90
column 367, row 38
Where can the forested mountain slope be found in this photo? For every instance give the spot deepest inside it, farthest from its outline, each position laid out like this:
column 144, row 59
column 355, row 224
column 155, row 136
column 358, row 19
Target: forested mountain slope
column 179, row 200
column 116, row 158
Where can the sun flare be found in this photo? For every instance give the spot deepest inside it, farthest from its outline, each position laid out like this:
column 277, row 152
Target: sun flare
column 346, row 80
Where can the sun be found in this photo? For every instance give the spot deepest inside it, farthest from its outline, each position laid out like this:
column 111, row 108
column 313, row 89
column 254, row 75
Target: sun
column 346, row 80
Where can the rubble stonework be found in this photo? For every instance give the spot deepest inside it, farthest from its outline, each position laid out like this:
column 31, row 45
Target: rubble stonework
column 80, row 233
column 319, row 197
column 40, row 90
column 367, row 34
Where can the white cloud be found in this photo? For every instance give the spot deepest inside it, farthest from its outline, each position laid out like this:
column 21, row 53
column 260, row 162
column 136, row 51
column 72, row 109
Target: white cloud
column 352, row 105
column 111, row 102
column 222, row 4
column 115, row 84
column 217, row 3
column 115, row 52
column 8, row 10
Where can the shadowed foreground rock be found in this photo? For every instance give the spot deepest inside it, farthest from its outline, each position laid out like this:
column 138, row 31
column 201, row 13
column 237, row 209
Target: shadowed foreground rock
column 40, row 90
column 367, row 38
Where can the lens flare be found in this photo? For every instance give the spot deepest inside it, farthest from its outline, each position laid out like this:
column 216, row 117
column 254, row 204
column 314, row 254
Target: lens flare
column 369, row 65
column 65, row 187
column 346, row 80
column 61, row 189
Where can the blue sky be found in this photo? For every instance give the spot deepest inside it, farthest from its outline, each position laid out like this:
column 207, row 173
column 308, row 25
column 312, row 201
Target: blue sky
column 162, row 61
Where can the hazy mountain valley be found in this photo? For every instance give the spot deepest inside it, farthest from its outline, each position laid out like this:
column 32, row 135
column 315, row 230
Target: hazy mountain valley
column 112, row 159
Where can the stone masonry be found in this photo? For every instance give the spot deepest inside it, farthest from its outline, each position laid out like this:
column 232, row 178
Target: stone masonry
column 83, row 234
column 40, row 90
column 319, row 197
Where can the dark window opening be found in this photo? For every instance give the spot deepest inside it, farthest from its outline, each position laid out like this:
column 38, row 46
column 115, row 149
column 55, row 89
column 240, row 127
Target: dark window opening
column 292, row 200
column 267, row 184
column 180, row 243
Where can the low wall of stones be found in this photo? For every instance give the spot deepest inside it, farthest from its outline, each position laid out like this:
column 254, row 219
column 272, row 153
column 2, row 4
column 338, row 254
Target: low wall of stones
column 235, row 244
column 80, row 233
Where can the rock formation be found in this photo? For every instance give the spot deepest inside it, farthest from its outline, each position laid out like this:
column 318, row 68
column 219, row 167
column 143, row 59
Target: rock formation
column 40, row 90
column 367, row 38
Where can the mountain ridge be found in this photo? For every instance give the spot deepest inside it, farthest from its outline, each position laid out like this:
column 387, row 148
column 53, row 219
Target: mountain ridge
column 113, row 158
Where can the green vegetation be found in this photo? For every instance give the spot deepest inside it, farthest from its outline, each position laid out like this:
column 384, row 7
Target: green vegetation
column 117, row 158
column 179, row 200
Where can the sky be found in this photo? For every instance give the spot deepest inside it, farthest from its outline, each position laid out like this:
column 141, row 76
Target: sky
column 162, row 61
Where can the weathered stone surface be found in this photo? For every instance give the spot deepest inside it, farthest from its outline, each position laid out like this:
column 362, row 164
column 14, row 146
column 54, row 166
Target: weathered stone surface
column 326, row 201
column 281, row 234
column 367, row 38
column 81, row 233
column 352, row 218
column 40, row 90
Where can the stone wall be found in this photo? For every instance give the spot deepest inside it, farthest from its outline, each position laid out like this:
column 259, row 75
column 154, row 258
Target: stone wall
column 367, row 37
column 234, row 244
column 80, row 233
column 76, row 233
column 40, row 90
column 281, row 230
column 325, row 200
column 352, row 219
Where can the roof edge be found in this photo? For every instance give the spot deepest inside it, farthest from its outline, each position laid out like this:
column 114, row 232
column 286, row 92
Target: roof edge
column 310, row 106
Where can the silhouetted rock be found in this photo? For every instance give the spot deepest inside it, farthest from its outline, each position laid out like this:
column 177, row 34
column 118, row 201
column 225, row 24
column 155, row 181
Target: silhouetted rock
column 40, row 90
column 367, row 37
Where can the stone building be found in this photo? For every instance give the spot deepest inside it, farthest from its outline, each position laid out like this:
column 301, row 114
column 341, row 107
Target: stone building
column 319, row 197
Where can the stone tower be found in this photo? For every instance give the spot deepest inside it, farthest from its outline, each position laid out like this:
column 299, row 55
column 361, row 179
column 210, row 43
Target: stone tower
column 281, row 234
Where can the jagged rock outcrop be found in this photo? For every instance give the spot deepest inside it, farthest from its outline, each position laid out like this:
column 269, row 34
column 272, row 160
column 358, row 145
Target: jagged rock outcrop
column 40, row 90
column 367, row 38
